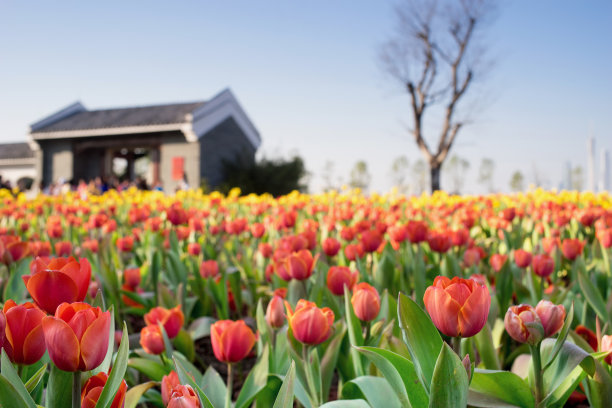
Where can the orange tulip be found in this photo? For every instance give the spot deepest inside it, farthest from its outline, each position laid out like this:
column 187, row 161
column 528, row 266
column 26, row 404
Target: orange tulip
column 168, row 382
column 131, row 277
column 275, row 313
column 458, row 307
column 231, row 340
column 92, row 389
column 152, row 340
column 605, row 237
column 183, row 396
column 171, row 319
column 309, row 324
column 58, row 280
column 471, row 257
column 366, row 302
column 572, row 248
column 497, row 261
column 522, row 258
column 520, row 321
column 209, row 269
column 77, row 336
column 300, row 264
column 63, row 248
column 24, row 340
column 338, row 277
column 13, row 250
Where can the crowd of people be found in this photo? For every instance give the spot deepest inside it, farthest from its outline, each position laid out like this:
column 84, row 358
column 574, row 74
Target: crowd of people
column 97, row 186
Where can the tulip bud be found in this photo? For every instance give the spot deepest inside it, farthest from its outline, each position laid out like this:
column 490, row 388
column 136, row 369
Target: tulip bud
column 93, row 389
column 497, row 261
column 309, row 324
column 572, row 248
column 25, row 341
column 338, row 277
column 522, row 258
column 209, row 269
column 543, row 265
column 365, row 302
column 183, row 396
column 275, row 313
column 194, row 249
column 416, row 231
column 151, row 339
column 171, row 319
column 552, row 316
column 606, row 345
column 168, row 382
column 331, row 246
column 439, row 241
column 467, row 364
column 458, row 307
column 300, row 264
column 523, row 324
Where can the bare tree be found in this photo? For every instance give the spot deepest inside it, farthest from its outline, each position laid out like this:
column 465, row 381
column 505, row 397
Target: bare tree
column 436, row 54
column 399, row 173
column 420, row 175
column 485, row 174
column 456, row 167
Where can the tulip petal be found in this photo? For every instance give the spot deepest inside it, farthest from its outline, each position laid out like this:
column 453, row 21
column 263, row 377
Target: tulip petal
column 51, row 288
column 94, row 342
column 475, row 311
column 62, row 344
column 237, row 340
column 443, row 310
column 34, row 346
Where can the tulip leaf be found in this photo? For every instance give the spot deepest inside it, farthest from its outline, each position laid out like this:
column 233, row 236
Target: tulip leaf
column 421, row 337
column 330, row 359
column 285, row 398
column 562, row 336
column 15, row 287
column 184, row 344
column 262, row 325
column 35, row 378
column 486, row 348
column 118, row 371
column 9, row 373
column 214, row 387
column 401, row 375
column 376, row 390
column 59, row 386
column 599, row 388
column 255, row 381
column 155, row 270
column 449, row 384
column 592, row 295
column 200, row 327
column 185, row 378
column 151, row 369
column 168, row 349
column 132, row 397
column 491, row 388
column 357, row 403
column 104, row 367
column 10, row 397
column 354, row 332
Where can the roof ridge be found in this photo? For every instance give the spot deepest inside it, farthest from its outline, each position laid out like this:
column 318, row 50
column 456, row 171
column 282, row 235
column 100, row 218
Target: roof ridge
column 155, row 105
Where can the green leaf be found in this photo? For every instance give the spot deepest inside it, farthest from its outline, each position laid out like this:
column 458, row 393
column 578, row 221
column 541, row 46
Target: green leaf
column 562, row 336
column 592, row 295
column 200, row 327
column 214, row 387
column 375, row 390
column 132, row 397
column 449, row 384
column 15, row 288
column 330, row 359
column 185, row 378
column 599, row 388
column 35, row 378
column 155, row 371
column 255, row 381
column 59, row 388
column 491, row 388
column 358, row 403
column 486, row 348
column 9, row 397
column 9, row 373
column 262, row 325
column 167, row 343
column 401, row 375
column 118, row 371
column 285, row 395
column 421, row 337
column 354, row 332
column 183, row 343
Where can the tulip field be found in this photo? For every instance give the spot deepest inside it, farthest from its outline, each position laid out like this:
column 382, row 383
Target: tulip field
column 138, row 299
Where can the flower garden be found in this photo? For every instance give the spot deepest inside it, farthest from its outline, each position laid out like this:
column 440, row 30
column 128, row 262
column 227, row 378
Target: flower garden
column 337, row 300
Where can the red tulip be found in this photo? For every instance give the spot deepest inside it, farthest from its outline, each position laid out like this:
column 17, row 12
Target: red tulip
column 371, row 240
column 257, row 230
column 275, row 313
column 331, row 246
column 125, row 244
column 366, row 302
column 13, row 250
column 171, row 319
column 497, row 261
column 522, row 258
column 77, row 336
column 300, row 264
column 168, row 382
column 439, row 241
column 606, row 345
column 231, row 340
column 458, row 307
column 309, row 324
column 605, row 237
column 520, row 321
column 543, row 265
column 63, row 248
column 58, row 280
column 131, row 277
column 92, row 389
column 587, row 335
column 194, row 249
column 353, row 251
column 265, row 249
column 572, row 248
column 152, row 340
column 183, row 396
column 209, row 269
column 416, row 231
column 552, row 316
column 338, row 276
column 24, row 340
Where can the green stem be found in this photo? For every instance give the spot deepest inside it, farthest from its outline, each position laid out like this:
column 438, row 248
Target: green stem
column 456, row 344
column 537, row 373
column 314, row 399
column 76, row 390
column 230, row 386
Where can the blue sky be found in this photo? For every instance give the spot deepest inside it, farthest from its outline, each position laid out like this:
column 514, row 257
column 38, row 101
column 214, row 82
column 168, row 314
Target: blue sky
column 307, row 73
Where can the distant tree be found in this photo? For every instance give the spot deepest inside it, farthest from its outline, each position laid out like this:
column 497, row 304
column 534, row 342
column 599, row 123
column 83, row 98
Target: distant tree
column 330, row 182
column 360, row 177
column 577, row 178
column 399, row 174
column 274, row 176
column 435, row 55
column 516, row 181
column 419, row 170
column 485, row 174
column 456, row 167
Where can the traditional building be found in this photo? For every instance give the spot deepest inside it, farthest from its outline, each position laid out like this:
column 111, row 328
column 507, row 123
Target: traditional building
column 171, row 144
column 17, row 163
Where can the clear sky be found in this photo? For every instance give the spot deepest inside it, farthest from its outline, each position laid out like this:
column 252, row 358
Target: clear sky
column 308, row 75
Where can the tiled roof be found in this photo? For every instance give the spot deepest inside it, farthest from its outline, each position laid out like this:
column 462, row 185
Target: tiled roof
column 15, row 151
column 123, row 117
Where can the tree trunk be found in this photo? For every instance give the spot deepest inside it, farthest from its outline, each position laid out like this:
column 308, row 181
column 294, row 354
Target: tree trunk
column 435, row 177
